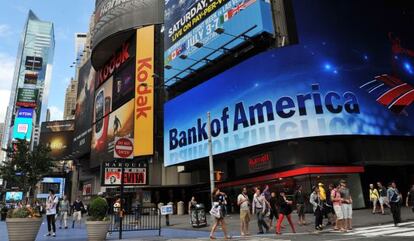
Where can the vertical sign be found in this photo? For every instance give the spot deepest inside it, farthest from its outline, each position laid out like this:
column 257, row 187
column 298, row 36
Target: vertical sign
column 144, row 93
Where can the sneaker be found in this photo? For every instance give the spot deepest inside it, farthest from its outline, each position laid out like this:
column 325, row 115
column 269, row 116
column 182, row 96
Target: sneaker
column 66, row 227
column 48, row 234
column 60, row 227
column 54, row 235
column 260, row 232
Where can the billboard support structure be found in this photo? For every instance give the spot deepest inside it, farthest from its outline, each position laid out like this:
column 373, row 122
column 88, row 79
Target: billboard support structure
column 210, row 156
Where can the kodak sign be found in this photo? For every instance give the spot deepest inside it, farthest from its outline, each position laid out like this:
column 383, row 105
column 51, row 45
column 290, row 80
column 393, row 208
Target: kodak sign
column 144, row 93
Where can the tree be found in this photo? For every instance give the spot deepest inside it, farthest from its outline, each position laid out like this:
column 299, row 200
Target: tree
column 25, row 168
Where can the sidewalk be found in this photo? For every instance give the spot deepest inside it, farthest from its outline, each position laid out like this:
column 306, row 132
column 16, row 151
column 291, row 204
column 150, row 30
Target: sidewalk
column 181, row 229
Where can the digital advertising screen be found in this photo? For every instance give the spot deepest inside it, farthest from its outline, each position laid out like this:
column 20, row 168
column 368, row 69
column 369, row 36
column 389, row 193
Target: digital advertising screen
column 84, row 109
column 123, row 85
column 23, row 124
column 103, row 100
column 14, row 196
column 352, row 73
column 27, row 97
column 188, row 22
column 55, row 183
column 33, row 63
column 30, row 77
column 58, row 135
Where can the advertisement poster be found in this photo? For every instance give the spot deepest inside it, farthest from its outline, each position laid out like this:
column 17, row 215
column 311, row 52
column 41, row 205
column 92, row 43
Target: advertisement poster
column 188, row 22
column 103, row 100
column 119, row 123
column 84, row 109
column 135, row 173
column 123, row 85
column 30, row 77
column 33, row 63
column 55, row 183
column 344, row 77
column 58, row 135
column 23, row 124
column 27, row 97
column 14, row 196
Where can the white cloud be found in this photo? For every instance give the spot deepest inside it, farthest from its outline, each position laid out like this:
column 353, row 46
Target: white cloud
column 6, row 71
column 4, row 99
column 5, row 30
column 55, row 113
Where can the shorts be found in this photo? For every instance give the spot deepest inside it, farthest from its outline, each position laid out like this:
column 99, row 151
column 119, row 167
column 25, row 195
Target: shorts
column 347, row 210
column 300, row 209
column 77, row 215
column 338, row 212
column 245, row 215
column 382, row 200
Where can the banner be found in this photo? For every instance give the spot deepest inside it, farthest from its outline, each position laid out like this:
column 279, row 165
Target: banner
column 27, row 97
column 135, row 173
column 144, row 93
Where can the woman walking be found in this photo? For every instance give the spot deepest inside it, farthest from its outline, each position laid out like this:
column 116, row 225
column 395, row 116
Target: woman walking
column 373, row 197
column 219, row 199
column 315, row 200
column 285, row 209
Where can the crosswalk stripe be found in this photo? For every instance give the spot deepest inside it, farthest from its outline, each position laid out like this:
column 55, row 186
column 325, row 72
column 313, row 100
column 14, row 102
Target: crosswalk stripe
column 409, row 234
column 396, row 230
column 382, row 226
column 370, row 230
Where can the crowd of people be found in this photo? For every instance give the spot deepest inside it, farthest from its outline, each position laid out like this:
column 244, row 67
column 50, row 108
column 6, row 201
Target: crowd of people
column 333, row 203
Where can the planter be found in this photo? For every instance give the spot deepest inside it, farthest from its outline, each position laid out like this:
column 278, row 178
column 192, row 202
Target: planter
column 97, row 230
column 23, row 229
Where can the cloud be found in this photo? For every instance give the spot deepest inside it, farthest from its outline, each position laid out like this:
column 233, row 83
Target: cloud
column 55, row 113
column 4, row 98
column 6, row 71
column 5, row 30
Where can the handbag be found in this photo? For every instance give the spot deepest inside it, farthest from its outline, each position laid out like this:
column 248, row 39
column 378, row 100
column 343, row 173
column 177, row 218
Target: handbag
column 216, row 211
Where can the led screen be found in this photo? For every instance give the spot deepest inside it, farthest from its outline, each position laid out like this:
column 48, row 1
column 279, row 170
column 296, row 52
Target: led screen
column 23, row 124
column 55, row 183
column 350, row 74
column 14, row 196
column 188, row 22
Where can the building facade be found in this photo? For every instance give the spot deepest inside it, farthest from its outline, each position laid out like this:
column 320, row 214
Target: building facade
column 31, row 81
column 70, row 100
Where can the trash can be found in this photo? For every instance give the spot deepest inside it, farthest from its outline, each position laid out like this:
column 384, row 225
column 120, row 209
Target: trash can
column 198, row 216
column 180, row 208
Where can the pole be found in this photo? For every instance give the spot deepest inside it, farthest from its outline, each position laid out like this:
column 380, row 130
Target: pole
column 121, row 213
column 210, row 155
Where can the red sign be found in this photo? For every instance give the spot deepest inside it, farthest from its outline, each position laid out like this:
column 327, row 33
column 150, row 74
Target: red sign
column 124, row 148
column 259, row 162
column 117, row 60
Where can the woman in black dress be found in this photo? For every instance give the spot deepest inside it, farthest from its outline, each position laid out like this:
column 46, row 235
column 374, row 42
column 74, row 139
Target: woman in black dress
column 219, row 199
column 285, row 210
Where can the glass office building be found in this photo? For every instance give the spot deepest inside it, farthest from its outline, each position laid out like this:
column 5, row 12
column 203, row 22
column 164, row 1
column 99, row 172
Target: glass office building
column 31, row 80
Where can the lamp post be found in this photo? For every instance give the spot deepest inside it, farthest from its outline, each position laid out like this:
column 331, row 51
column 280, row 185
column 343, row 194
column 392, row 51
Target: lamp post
column 210, row 156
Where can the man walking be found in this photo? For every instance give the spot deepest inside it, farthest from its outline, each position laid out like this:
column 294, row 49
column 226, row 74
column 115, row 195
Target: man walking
column 299, row 198
column 51, row 204
column 259, row 208
column 77, row 208
column 394, row 198
column 346, row 205
column 63, row 212
column 244, row 203
column 410, row 196
column 383, row 200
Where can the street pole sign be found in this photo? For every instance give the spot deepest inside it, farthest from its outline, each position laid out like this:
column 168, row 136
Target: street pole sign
column 124, row 148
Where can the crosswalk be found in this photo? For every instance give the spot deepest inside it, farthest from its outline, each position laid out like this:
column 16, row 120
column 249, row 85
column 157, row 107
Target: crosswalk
column 402, row 230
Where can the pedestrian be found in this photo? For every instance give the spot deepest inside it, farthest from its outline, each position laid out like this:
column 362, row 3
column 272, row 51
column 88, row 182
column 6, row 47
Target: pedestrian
column 337, row 206
column 410, row 196
column 219, row 202
column 244, row 203
column 394, row 198
column 274, row 213
column 299, row 199
column 259, row 208
column 346, row 205
column 191, row 206
column 317, row 204
column 383, row 200
column 64, row 207
column 373, row 197
column 51, row 204
column 285, row 209
column 329, row 205
column 117, row 212
column 78, row 208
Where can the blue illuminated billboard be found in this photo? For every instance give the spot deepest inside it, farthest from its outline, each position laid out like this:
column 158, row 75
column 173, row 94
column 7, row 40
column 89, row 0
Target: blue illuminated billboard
column 344, row 77
column 14, row 196
column 188, row 22
column 55, row 183
column 23, row 124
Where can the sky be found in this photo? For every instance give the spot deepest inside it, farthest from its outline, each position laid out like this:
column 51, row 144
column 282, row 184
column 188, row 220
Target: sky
column 69, row 17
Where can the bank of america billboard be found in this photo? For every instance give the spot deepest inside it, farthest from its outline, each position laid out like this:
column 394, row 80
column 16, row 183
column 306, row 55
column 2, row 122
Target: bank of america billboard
column 344, row 77
column 188, row 22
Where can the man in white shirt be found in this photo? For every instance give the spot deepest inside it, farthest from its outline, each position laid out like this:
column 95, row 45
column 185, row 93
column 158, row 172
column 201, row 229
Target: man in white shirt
column 244, row 204
column 51, row 205
column 259, row 208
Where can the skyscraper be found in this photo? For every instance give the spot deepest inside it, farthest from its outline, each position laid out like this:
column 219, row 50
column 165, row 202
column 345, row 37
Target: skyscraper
column 80, row 42
column 70, row 100
column 31, row 81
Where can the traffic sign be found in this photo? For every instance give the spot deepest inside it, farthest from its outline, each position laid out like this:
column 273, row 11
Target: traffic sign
column 124, row 148
column 166, row 210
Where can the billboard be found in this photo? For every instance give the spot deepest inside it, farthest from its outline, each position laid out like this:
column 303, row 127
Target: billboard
column 30, row 77
column 33, row 63
column 188, row 22
column 103, row 100
column 123, row 85
column 27, row 97
column 14, row 196
column 144, row 93
column 23, row 124
column 55, row 183
column 84, row 109
column 345, row 77
column 58, row 135
column 135, row 173
column 119, row 123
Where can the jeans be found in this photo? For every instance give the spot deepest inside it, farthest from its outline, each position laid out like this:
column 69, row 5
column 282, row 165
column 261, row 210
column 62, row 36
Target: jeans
column 260, row 220
column 51, row 222
column 396, row 212
column 63, row 218
column 318, row 217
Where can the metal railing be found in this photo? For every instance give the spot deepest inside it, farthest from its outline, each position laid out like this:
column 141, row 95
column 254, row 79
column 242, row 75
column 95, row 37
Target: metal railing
column 137, row 219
